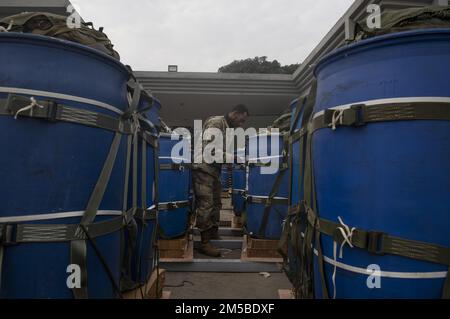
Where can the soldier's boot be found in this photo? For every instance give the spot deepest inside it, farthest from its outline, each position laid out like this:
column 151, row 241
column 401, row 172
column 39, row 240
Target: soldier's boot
column 206, row 247
column 215, row 234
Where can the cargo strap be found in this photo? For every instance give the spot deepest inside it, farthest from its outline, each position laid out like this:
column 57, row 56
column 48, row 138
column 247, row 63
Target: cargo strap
column 269, row 202
column 172, row 205
column 145, row 214
column 173, row 166
column 380, row 243
column 283, row 165
column 78, row 249
column 13, row 234
column 361, row 114
column 241, row 192
column 20, row 106
column 312, row 235
column 301, row 272
column 300, row 105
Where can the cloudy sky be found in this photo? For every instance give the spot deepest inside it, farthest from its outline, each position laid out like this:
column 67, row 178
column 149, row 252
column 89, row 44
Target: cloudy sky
column 202, row 35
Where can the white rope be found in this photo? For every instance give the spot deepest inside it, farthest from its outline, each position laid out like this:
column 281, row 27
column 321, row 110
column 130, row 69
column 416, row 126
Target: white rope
column 338, row 116
column 29, row 107
column 347, row 235
column 3, row 29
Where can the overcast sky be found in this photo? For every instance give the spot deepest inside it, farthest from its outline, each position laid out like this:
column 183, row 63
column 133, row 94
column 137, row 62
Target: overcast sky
column 202, row 35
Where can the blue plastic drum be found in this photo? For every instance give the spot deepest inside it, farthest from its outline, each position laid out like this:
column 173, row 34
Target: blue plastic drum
column 264, row 149
column 239, row 188
column 226, row 177
column 174, row 183
column 49, row 168
column 390, row 176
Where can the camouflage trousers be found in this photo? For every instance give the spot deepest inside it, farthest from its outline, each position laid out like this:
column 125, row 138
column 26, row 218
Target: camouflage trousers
column 207, row 191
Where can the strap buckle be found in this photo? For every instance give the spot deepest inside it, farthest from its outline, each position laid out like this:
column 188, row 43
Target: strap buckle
column 375, row 243
column 52, row 111
column 8, row 234
column 353, row 116
column 358, row 114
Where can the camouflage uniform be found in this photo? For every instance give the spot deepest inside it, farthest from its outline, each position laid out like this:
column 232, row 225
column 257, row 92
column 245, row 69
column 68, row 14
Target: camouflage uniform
column 206, row 180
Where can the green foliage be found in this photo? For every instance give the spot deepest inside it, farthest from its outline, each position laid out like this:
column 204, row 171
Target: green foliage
column 258, row 65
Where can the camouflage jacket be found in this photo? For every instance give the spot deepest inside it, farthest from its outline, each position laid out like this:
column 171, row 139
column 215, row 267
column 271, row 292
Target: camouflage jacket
column 210, row 128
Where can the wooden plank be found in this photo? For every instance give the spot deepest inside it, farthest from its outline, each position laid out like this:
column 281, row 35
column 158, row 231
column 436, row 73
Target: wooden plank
column 186, row 255
column 259, row 255
column 236, row 222
column 285, row 294
column 173, row 244
column 166, row 294
column 153, row 289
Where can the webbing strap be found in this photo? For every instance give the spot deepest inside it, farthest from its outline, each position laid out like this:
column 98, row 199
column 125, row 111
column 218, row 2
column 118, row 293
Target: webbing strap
column 172, row 205
column 268, row 205
column 2, row 252
column 150, row 139
column 133, row 86
column 146, row 214
column 20, row 106
column 283, row 165
column 13, row 234
column 298, row 111
column 266, row 200
column 144, row 174
column 311, row 201
column 446, row 290
column 173, row 166
column 78, row 247
column 238, row 191
column 380, row 243
column 361, row 114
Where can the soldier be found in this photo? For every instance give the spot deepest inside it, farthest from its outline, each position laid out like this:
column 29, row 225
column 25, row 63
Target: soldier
column 206, row 180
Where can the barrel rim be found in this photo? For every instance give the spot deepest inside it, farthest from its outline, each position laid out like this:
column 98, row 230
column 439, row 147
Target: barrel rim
column 66, row 45
column 374, row 42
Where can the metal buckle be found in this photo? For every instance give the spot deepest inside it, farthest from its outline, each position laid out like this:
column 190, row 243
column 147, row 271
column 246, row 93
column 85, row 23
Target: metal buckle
column 52, row 111
column 375, row 243
column 7, row 234
column 358, row 110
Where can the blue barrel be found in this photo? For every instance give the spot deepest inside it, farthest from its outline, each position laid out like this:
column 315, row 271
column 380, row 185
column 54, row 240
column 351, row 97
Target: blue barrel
column 140, row 236
column 389, row 176
column 239, row 186
column 49, row 168
column 297, row 152
column 154, row 113
column 294, row 225
column 173, row 188
column 226, row 177
column 261, row 184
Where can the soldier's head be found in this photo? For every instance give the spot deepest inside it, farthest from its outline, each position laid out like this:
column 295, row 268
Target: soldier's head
column 238, row 116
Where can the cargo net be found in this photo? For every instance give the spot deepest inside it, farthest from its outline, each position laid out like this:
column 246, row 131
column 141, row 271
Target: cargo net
column 393, row 21
column 53, row 25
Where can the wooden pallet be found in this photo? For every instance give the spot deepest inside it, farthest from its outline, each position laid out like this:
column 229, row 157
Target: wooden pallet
column 153, row 289
column 237, row 222
column 285, row 294
column 260, row 250
column 176, row 250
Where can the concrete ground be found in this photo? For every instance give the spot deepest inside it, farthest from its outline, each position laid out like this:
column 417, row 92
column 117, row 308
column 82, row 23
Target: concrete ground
column 197, row 285
column 225, row 285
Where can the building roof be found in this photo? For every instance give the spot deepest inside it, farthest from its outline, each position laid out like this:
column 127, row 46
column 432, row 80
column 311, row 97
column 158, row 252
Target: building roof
column 192, row 95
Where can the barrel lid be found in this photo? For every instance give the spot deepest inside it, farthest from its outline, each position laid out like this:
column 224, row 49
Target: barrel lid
column 65, row 45
column 382, row 40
